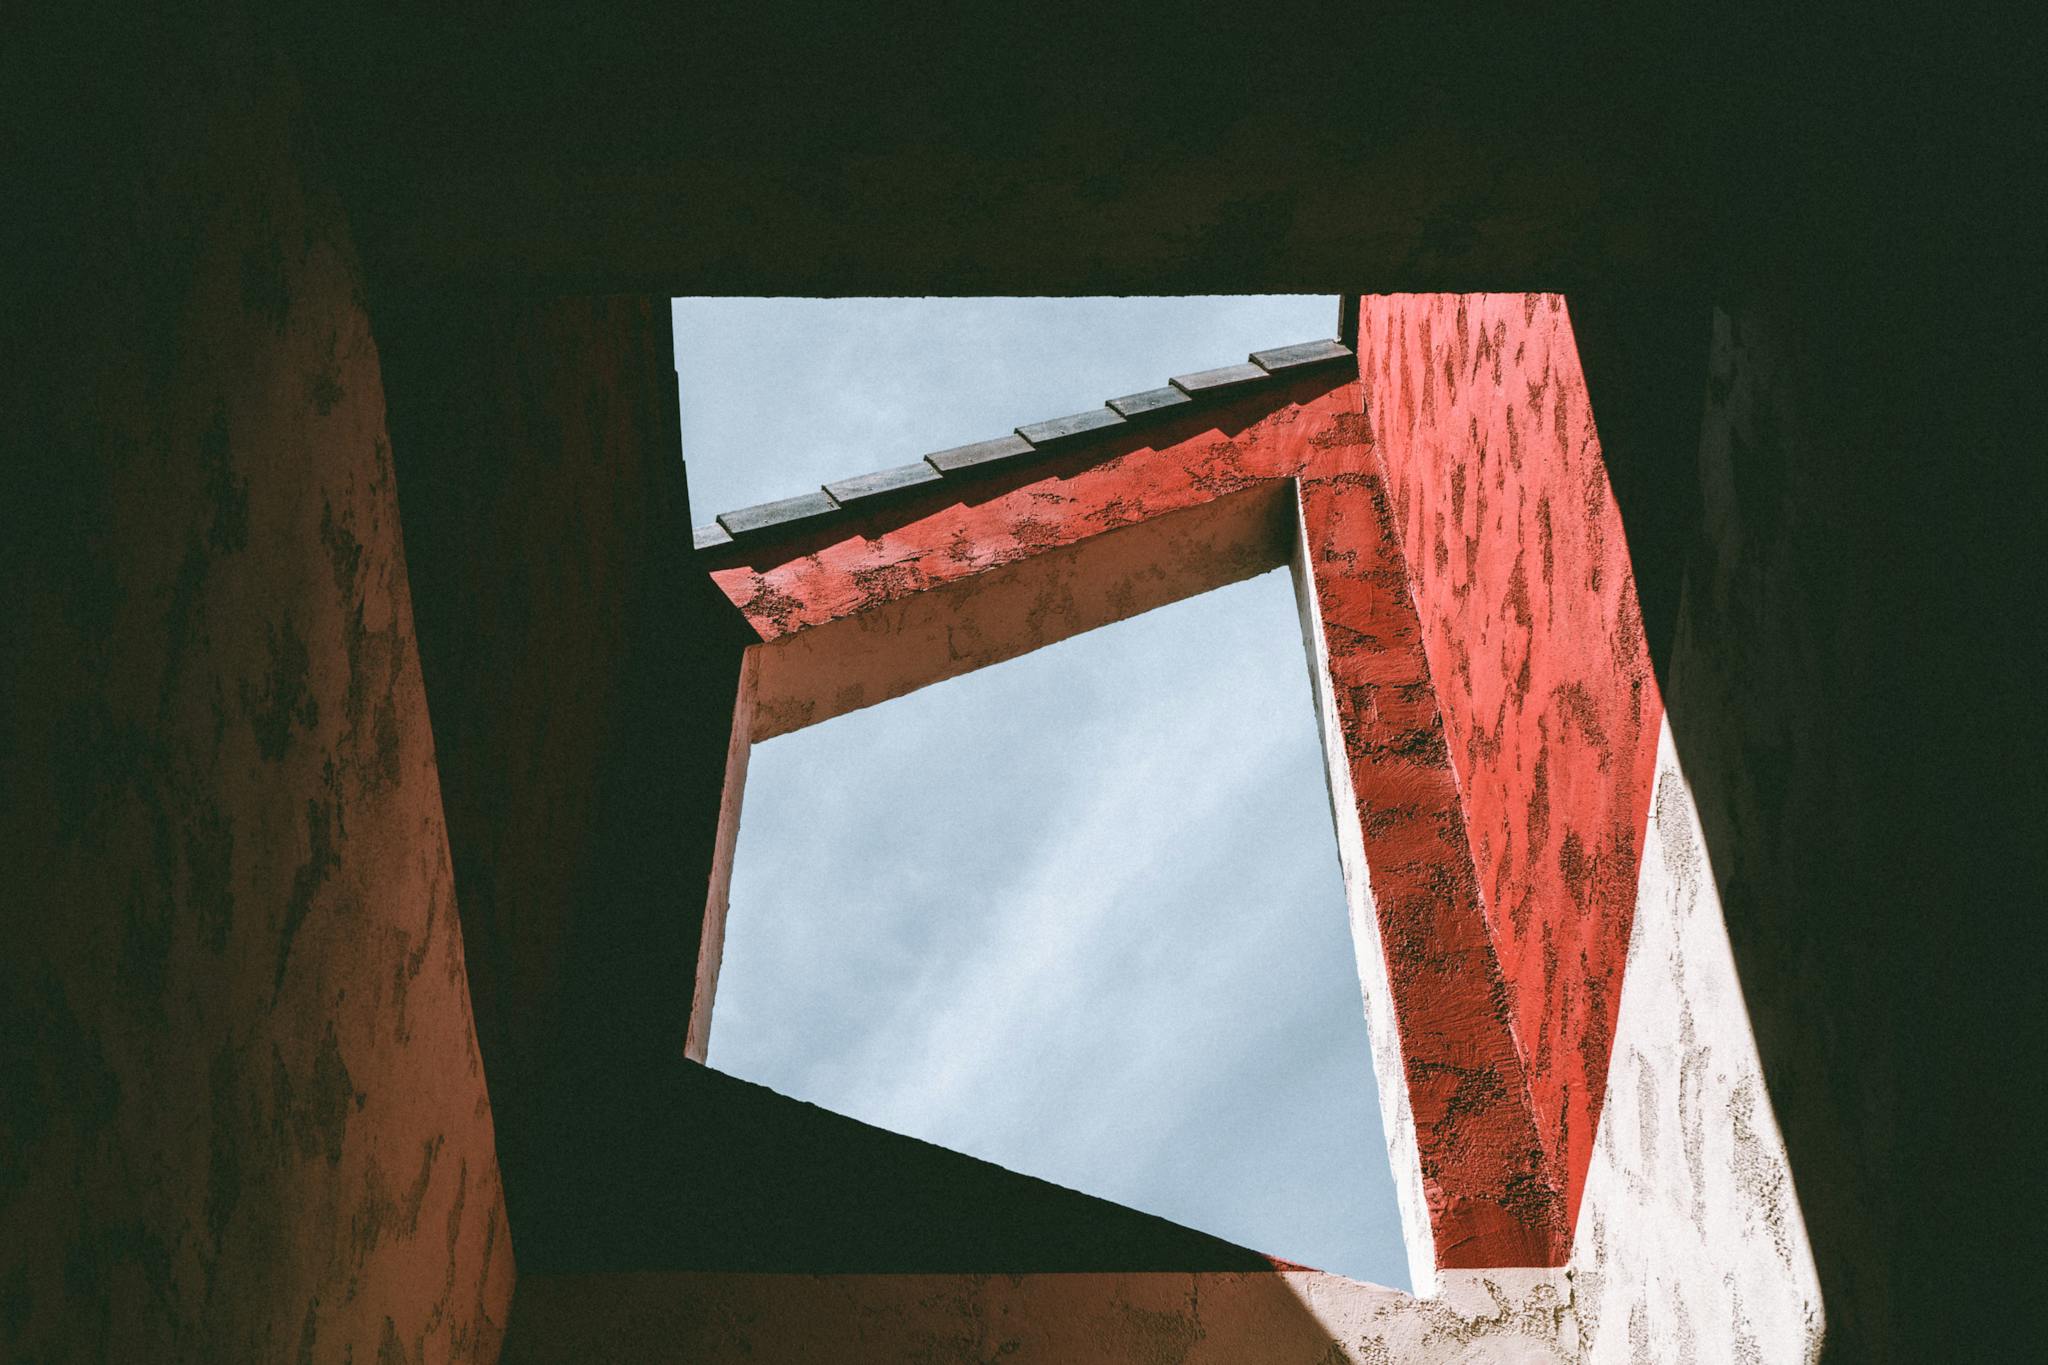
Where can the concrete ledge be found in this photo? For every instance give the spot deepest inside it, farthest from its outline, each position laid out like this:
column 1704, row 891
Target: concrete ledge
column 1306, row 355
column 1135, row 405
column 1071, row 428
column 862, row 490
column 980, row 453
column 780, row 515
column 882, row 483
column 1228, row 379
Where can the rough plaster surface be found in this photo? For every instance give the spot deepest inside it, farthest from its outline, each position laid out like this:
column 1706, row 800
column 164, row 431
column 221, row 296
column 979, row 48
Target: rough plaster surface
column 900, row 643
column 1832, row 829
column 1691, row 1243
column 1519, row 567
column 1417, row 916
column 962, row 529
column 242, row 1115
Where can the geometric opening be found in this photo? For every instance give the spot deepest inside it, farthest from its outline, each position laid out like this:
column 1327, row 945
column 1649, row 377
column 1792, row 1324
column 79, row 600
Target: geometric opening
column 1079, row 914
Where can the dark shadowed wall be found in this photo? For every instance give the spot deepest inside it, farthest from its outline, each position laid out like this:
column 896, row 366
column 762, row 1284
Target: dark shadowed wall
column 583, row 681
column 242, row 1111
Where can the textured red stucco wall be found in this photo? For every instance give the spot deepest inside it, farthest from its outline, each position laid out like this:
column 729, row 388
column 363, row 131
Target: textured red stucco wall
column 1493, row 1198
column 948, row 535
column 1520, row 574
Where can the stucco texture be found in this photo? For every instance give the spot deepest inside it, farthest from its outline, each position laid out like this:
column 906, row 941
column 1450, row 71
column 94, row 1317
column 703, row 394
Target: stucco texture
column 242, row 1115
column 1520, row 571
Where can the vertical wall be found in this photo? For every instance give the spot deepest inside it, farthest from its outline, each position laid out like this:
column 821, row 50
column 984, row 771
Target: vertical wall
column 242, row 1111
column 1838, row 686
column 1521, row 577
column 583, row 680
column 1688, row 1235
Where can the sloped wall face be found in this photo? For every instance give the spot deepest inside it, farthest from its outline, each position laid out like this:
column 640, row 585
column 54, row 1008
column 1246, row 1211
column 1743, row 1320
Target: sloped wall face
column 1520, row 574
column 1691, row 1240
column 244, row 1116
column 578, row 682
column 1688, row 1241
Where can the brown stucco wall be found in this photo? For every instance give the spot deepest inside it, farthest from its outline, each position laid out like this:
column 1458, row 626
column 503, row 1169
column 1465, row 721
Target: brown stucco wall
column 242, row 1111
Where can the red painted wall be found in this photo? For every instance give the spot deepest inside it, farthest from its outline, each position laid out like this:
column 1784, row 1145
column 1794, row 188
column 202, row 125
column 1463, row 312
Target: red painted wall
column 1520, row 574
column 969, row 527
column 1493, row 1197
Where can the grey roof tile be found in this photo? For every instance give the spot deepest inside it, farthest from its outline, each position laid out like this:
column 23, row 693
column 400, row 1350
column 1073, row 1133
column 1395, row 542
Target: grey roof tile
column 1133, row 405
column 1225, row 380
column 1073, row 427
column 980, row 453
column 797, row 512
column 779, row 515
column 1305, row 355
column 881, row 483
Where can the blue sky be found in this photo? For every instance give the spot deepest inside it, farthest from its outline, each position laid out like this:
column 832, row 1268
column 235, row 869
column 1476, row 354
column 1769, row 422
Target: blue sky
column 1080, row 913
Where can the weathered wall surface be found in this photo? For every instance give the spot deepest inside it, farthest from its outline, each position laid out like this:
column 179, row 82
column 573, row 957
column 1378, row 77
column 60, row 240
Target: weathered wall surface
column 1691, row 1241
column 1020, row 509
column 1520, row 572
column 242, row 1114
column 1828, row 601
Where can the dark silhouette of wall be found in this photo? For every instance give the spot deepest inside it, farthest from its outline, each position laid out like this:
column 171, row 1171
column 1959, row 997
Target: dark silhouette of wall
column 242, row 1114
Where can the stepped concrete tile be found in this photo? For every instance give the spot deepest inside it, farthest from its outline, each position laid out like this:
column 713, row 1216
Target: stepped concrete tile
column 1228, row 379
column 980, row 453
column 780, row 515
column 1077, row 426
column 1134, row 405
column 881, row 483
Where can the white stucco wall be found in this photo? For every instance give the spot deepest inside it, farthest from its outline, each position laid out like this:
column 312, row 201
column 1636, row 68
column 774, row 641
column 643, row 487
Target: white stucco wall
column 1690, row 1247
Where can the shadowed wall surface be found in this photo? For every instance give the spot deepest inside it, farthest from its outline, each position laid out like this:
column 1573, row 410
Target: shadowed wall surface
column 242, row 1112
column 572, row 654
